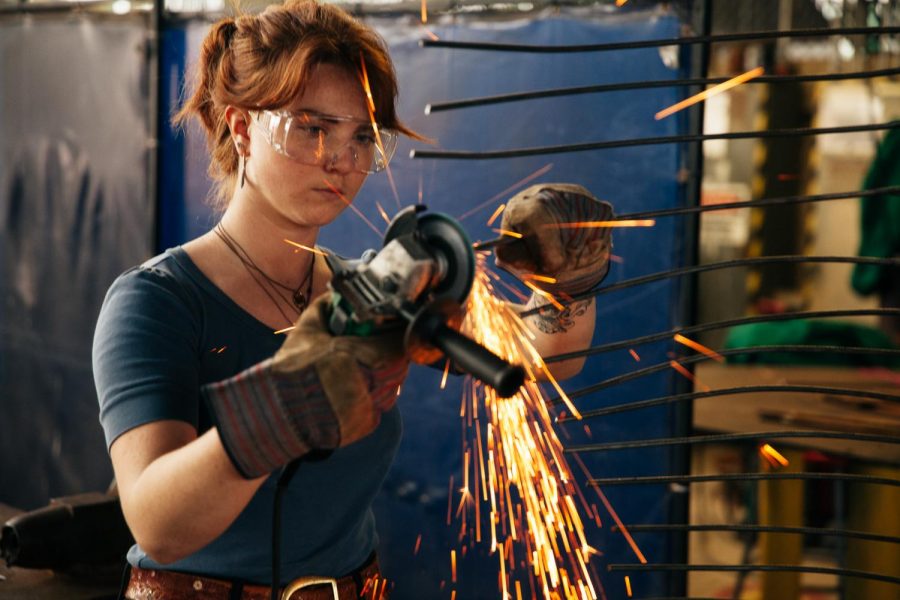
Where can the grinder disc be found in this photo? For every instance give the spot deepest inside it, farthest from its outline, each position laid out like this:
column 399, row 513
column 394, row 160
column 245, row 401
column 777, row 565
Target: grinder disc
column 447, row 239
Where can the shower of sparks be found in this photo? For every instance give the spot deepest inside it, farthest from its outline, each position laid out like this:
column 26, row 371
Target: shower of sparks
column 699, row 347
column 496, row 214
column 634, row 355
column 543, row 170
column 307, row 248
column 285, row 330
column 353, row 208
column 508, row 233
column 772, row 455
column 628, row 586
column 383, row 214
column 514, row 466
column 717, row 89
column 370, row 104
column 608, row 224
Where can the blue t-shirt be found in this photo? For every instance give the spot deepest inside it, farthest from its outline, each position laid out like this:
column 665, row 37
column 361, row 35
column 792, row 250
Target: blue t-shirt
column 164, row 331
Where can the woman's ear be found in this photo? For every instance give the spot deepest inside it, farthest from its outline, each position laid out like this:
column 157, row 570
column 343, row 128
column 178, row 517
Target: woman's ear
column 239, row 124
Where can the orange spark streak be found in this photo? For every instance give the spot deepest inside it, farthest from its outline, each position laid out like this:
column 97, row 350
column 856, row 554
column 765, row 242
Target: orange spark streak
column 424, row 11
column 496, row 214
column 500, row 195
column 687, row 374
column 699, row 347
column 446, row 372
column 371, row 106
column 717, row 89
column 429, row 33
column 628, row 586
column 353, row 208
column 418, row 544
column 453, row 566
column 634, row 355
column 608, row 224
column 450, row 500
column 508, row 233
column 384, row 215
column 285, row 330
column 307, row 248
column 769, row 452
column 544, row 294
column 542, row 278
column 453, row 595
column 625, row 533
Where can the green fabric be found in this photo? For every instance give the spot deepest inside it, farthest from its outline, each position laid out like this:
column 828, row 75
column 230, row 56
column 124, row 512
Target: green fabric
column 880, row 217
column 806, row 332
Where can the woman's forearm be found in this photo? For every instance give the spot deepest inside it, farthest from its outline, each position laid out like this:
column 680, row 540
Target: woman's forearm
column 178, row 494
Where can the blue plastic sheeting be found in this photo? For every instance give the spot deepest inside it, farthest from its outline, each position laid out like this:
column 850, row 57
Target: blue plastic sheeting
column 74, row 213
column 416, row 497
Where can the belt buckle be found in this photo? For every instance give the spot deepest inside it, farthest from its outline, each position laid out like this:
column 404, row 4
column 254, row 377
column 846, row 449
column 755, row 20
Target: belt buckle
column 305, row 582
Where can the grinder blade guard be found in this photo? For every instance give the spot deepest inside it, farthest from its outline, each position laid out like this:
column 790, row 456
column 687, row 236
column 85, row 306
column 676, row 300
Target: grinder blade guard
column 418, row 281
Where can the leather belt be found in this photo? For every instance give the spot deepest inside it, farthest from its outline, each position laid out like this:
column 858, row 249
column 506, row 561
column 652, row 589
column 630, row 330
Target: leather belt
column 153, row 584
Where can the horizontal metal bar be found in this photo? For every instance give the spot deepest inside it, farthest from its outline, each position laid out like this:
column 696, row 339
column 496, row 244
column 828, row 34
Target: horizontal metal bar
column 655, row 337
column 726, row 264
column 75, row 6
column 734, row 437
column 649, row 141
column 762, row 202
column 699, row 39
column 639, row 85
column 661, row 479
column 751, row 568
column 732, row 391
column 689, row 360
column 746, row 528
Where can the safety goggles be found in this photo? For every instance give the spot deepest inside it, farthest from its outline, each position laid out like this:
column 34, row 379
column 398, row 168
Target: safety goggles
column 319, row 139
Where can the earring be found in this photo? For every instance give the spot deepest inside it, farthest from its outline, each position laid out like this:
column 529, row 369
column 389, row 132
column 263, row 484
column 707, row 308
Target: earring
column 241, row 174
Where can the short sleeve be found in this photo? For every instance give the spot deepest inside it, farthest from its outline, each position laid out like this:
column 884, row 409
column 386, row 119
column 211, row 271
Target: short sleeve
column 145, row 356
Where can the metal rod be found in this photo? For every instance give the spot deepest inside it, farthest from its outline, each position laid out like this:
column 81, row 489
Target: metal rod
column 664, row 335
column 649, row 141
column 727, row 264
column 639, row 85
column 842, row 533
column 852, row 194
column 732, row 391
column 734, row 437
column 659, row 479
column 750, row 568
column 699, row 39
column 689, row 360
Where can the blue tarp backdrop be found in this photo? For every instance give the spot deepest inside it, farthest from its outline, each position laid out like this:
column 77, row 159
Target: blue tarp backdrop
column 633, row 179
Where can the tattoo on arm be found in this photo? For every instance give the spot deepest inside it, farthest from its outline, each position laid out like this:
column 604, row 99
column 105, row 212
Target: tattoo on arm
column 550, row 319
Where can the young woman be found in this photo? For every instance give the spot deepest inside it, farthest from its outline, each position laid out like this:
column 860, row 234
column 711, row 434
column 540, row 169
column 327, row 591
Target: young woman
column 201, row 404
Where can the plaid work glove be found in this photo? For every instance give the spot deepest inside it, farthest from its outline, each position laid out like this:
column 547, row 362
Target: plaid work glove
column 578, row 258
column 318, row 392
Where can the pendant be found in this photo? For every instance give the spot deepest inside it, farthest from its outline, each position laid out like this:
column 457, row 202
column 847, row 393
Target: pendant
column 299, row 299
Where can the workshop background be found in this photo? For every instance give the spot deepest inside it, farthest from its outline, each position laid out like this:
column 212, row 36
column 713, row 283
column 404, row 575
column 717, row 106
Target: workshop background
column 770, row 473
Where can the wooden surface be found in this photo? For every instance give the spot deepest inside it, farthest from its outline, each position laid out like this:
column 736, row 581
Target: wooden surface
column 39, row 584
column 782, row 411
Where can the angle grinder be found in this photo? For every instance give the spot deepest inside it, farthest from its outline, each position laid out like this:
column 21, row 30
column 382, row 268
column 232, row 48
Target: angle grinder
column 419, row 282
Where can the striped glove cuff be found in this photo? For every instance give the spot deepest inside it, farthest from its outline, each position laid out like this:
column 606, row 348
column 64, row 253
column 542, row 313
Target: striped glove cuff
column 265, row 419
